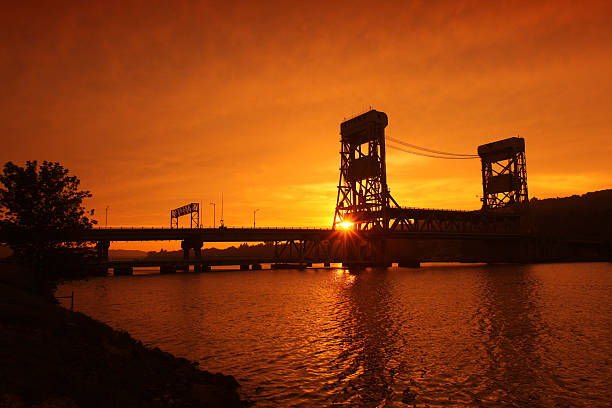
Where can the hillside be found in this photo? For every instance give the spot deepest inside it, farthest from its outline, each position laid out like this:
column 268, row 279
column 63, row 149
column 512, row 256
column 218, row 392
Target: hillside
column 587, row 216
column 125, row 254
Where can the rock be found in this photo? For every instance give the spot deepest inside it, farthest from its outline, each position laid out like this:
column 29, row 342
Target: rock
column 213, row 396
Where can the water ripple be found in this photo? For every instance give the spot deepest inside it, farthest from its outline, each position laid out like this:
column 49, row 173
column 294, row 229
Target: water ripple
column 454, row 336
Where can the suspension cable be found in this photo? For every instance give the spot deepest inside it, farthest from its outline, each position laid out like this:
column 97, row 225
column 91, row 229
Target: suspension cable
column 430, row 155
column 392, row 139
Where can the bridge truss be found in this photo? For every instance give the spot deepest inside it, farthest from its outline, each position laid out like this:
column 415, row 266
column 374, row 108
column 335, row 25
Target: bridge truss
column 366, row 218
column 364, row 202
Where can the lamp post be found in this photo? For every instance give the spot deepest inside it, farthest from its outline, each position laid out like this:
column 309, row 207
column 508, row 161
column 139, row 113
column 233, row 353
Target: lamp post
column 106, row 216
column 254, row 212
column 214, row 213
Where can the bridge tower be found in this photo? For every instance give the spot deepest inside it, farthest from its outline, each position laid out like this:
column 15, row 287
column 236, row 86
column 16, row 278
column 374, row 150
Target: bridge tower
column 504, row 174
column 363, row 197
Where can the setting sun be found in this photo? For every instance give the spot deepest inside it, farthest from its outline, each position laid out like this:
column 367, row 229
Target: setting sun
column 346, row 225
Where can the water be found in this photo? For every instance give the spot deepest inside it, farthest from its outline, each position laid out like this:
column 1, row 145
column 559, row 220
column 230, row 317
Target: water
column 439, row 336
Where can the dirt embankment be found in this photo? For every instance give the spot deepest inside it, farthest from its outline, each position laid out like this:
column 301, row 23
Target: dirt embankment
column 52, row 357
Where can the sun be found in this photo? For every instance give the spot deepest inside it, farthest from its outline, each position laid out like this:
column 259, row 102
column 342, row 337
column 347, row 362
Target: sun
column 347, row 225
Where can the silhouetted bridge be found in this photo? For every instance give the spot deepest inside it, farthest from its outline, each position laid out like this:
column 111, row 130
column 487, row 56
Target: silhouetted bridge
column 370, row 228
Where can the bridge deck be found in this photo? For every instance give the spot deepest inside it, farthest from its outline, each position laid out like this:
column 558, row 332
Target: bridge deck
column 241, row 234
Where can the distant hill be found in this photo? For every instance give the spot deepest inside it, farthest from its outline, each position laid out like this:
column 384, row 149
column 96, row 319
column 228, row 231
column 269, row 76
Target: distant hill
column 125, row 254
column 257, row 250
column 587, row 216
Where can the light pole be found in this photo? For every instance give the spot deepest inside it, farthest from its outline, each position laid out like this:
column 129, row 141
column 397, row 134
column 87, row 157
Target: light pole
column 214, row 213
column 106, row 217
column 254, row 212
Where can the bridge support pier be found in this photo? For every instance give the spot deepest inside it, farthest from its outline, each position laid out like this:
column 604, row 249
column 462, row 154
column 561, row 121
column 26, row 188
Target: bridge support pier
column 192, row 243
column 102, row 248
column 244, row 267
column 256, row 267
column 167, row 269
column 123, row 271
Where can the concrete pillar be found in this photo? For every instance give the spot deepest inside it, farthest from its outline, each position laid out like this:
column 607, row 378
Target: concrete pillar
column 244, row 267
column 102, row 247
column 167, row 269
column 123, row 270
column 197, row 268
column 256, row 267
column 191, row 243
column 186, row 248
column 326, row 264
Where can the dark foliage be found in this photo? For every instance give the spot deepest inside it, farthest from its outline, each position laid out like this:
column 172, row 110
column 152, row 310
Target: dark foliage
column 37, row 198
column 265, row 250
column 588, row 216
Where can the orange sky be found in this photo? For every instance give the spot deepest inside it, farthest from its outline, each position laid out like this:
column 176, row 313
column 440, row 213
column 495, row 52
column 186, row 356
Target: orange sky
column 154, row 106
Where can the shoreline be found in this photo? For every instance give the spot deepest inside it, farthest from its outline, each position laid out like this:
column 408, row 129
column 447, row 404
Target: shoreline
column 51, row 356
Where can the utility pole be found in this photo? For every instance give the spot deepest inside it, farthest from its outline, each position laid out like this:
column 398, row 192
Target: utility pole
column 214, row 213
column 254, row 212
column 106, row 217
column 221, row 220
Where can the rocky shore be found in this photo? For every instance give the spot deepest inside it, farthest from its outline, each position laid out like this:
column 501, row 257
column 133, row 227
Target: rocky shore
column 53, row 357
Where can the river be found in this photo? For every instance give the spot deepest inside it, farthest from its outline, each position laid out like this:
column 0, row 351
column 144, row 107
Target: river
column 438, row 336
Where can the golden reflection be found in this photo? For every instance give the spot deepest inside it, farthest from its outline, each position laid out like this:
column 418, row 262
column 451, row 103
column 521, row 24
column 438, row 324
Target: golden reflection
column 511, row 327
column 365, row 317
column 344, row 276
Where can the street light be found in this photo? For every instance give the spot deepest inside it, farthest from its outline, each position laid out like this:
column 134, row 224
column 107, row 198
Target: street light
column 106, row 217
column 254, row 212
column 214, row 212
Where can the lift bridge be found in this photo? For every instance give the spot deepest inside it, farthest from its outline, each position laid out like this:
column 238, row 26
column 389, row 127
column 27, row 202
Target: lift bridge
column 370, row 228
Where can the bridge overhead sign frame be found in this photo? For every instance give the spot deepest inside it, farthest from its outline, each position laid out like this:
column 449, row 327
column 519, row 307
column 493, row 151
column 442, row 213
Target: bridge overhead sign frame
column 193, row 209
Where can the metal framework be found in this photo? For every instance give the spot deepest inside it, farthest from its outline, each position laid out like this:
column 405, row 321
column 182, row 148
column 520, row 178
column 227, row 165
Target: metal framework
column 309, row 250
column 363, row 197
column 504, row 174
column 453, row 221
column 193, row 209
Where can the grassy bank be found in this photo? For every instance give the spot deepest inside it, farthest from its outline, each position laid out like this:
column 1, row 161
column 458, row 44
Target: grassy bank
column 53, row 357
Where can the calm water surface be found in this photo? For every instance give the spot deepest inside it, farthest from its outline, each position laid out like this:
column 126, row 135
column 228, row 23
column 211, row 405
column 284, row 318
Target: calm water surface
column 439, row 336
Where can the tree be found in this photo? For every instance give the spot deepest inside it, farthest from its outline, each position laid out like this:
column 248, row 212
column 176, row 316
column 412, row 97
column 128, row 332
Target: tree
column 34, row 199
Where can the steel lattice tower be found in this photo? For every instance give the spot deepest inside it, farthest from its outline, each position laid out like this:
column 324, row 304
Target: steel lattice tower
column 363, row 197
column 504, row 174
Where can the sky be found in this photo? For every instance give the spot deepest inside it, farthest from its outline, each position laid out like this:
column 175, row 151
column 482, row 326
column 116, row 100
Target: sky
column 157, row 104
